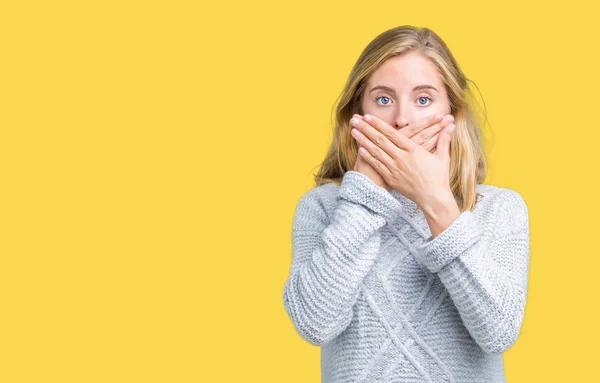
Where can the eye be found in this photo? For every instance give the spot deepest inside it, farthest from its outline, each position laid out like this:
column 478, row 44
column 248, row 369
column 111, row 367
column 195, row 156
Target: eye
column 384, row 97
column 386, row 100
column 424, row 98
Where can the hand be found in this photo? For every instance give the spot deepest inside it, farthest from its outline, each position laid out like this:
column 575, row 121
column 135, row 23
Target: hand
column 403, row 164
column 417, row 132
column 425, row 131
column 361, row 165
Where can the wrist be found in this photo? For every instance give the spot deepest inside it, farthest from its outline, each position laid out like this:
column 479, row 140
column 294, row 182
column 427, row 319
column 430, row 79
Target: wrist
column 440, row 212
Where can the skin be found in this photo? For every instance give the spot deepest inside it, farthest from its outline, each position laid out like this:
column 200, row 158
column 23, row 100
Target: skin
column 407, row 147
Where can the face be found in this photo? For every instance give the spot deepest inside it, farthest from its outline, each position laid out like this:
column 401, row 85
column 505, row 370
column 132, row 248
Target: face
column 404, row 89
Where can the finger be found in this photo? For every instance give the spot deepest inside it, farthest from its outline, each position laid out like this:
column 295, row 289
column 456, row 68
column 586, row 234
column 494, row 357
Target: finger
column 382, row 150
column 426, row 134
column 443, row 149
column 417, row 126
column 380, row 131
column 431, row 143
column 375, row 162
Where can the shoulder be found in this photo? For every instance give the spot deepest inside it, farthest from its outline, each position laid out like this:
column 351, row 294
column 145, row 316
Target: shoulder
column 494, row 195
column 315, row 206
column 500, row 207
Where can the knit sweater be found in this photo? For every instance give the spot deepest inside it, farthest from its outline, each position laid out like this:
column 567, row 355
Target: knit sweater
column 388, row 302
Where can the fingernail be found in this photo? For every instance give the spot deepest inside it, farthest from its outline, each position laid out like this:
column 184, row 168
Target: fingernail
column 367, row 117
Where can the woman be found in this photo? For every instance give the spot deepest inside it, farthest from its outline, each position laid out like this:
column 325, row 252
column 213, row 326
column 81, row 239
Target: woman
column 405, row 266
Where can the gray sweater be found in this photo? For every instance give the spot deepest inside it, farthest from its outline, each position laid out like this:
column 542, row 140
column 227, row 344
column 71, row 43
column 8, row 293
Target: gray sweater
column 388, row 303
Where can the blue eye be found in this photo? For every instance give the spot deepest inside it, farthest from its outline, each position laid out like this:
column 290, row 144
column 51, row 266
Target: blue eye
column 424, row 97
column 419, row 100
column 382, row 97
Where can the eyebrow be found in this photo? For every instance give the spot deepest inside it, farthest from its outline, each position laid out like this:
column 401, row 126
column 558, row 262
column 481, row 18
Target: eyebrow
column 391, row 90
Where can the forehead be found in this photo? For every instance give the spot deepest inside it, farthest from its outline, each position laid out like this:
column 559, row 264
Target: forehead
column 406, row 70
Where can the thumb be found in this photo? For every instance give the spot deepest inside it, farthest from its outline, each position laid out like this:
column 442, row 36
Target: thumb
column 444, row 139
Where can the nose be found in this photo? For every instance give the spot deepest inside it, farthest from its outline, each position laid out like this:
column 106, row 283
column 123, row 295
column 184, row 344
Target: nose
column 402, row 119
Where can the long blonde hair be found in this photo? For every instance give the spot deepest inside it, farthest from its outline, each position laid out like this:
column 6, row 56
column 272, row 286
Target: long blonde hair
column 468, row 165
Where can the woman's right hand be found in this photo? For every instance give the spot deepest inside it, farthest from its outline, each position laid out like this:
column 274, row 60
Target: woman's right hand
column 362, row 166
column 424, row 132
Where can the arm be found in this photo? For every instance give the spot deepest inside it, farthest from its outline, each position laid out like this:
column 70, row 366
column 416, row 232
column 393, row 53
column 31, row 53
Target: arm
column 331, row 259
column 486, row 273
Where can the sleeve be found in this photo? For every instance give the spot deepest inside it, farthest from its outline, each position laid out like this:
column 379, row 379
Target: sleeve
column 331, row 259
column 486, row 275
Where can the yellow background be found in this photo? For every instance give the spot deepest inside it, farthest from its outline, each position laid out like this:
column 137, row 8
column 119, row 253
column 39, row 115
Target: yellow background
column 152, row 154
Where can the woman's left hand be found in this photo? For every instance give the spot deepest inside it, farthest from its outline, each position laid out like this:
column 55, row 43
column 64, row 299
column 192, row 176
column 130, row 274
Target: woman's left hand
column 407, row 167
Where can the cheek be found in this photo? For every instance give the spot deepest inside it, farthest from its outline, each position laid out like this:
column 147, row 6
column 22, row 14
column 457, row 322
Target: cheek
column 445, row 107
column 368, row 109
column 385, row 114
column 426, row 113
column 438, row 109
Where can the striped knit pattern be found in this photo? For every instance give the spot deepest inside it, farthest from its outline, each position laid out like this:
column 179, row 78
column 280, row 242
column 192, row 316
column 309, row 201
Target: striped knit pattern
column 386, row 302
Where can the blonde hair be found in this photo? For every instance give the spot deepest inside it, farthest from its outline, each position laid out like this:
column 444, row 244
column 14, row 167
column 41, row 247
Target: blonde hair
column 468, row 165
